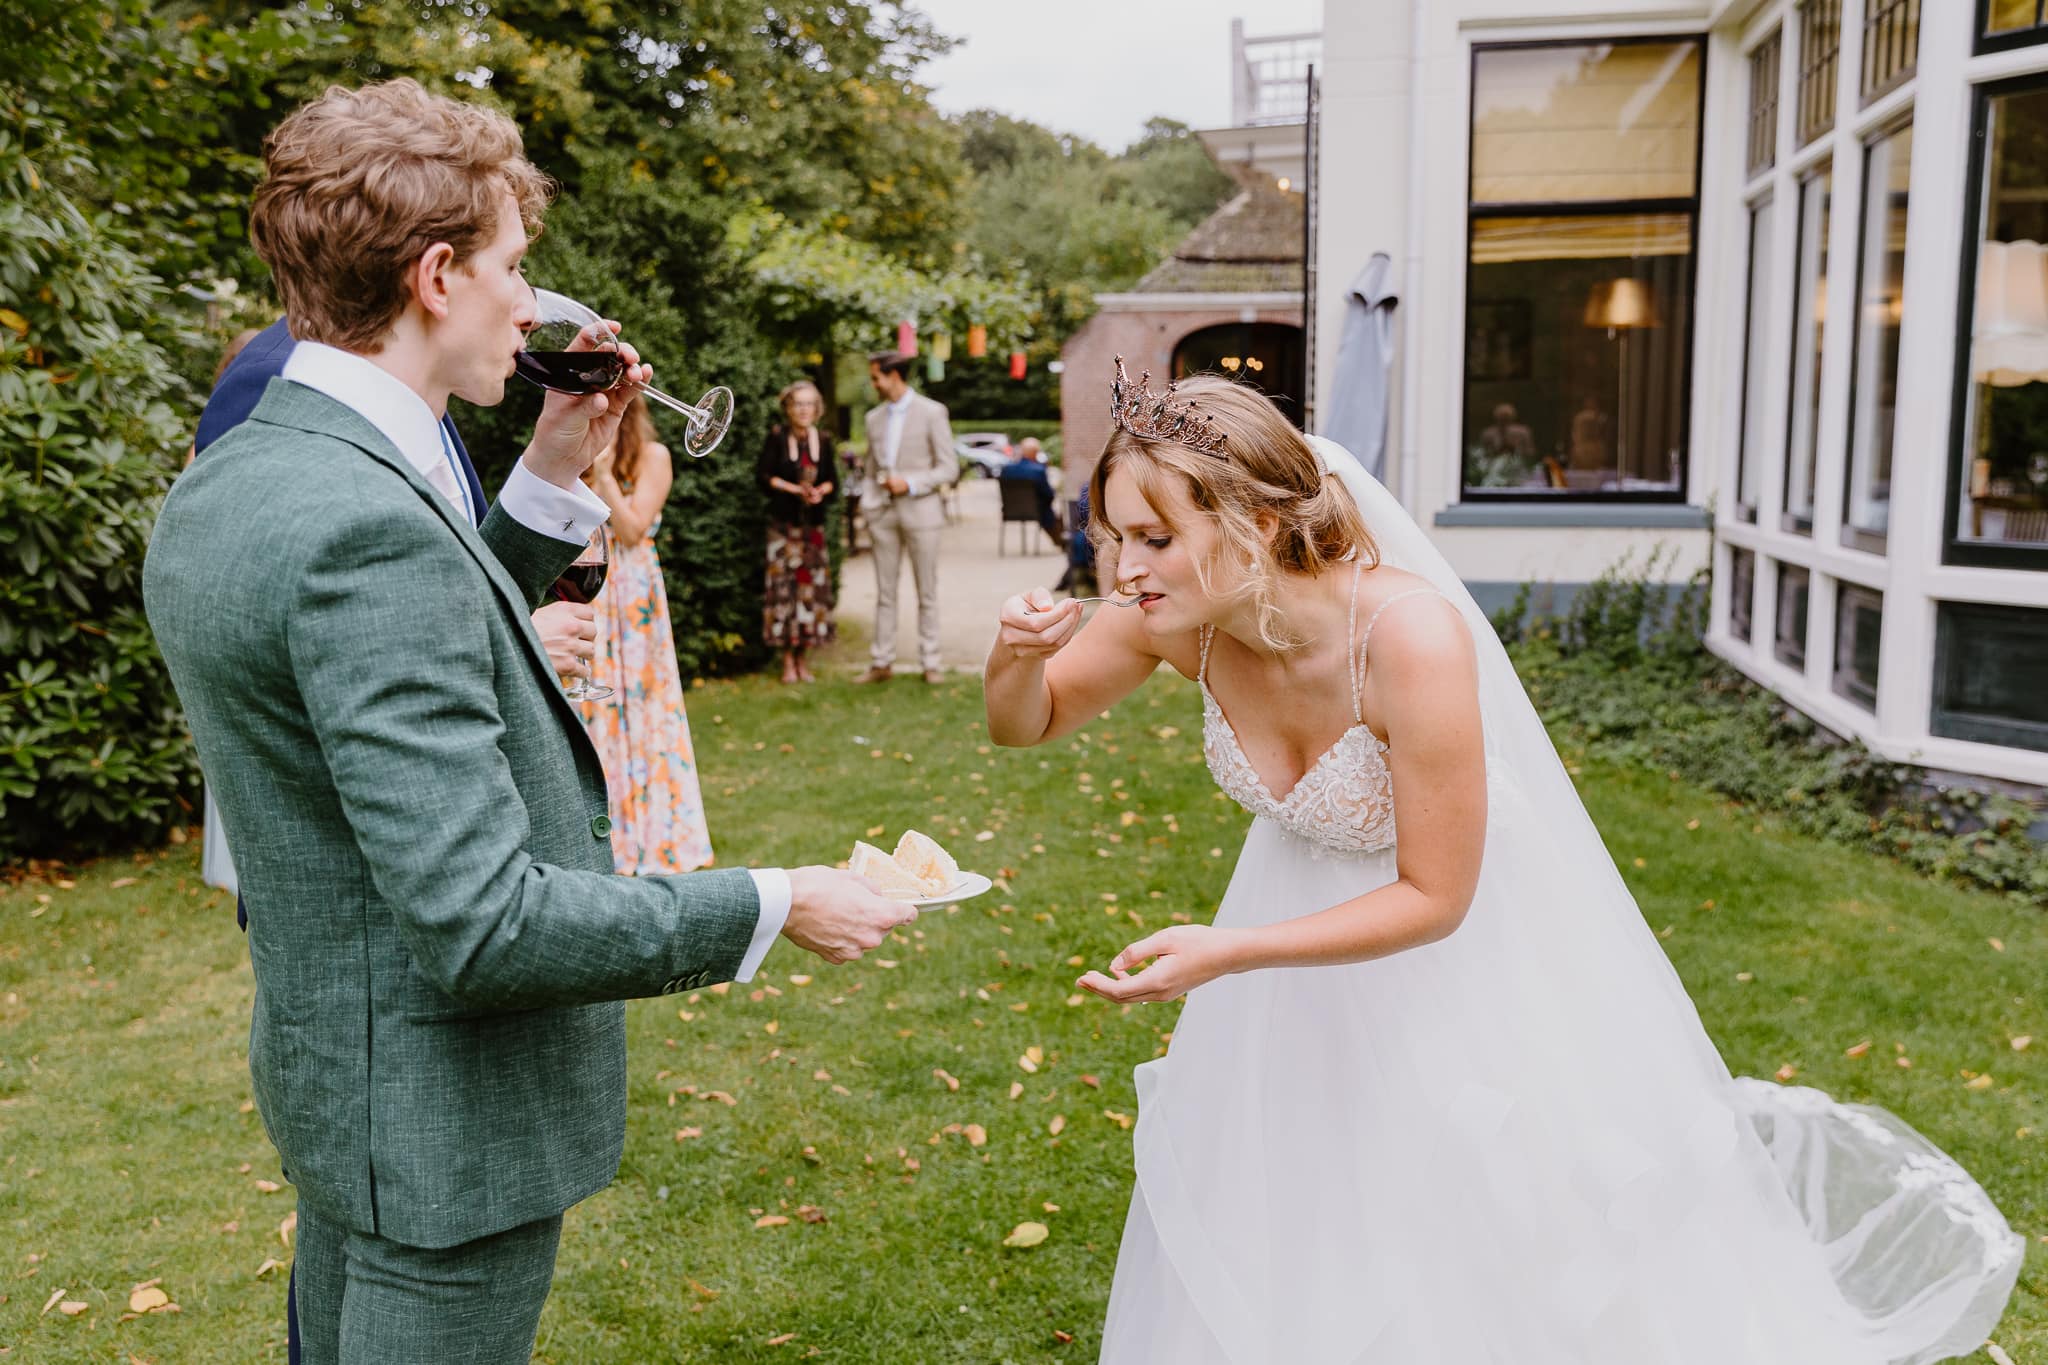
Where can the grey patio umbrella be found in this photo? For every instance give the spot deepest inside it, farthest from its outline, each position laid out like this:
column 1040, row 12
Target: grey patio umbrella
column 1361, row 390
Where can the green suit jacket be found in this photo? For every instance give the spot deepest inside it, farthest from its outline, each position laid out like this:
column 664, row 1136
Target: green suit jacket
column 418, row 819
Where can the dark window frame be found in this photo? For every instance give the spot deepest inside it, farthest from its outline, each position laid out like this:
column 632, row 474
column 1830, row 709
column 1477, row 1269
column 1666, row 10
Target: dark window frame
column 1879, row 31
column 1818, row 75
column 1857, row 537
column 1763, row 102
column 2003, row 42
column 1955, row 549
column 1596, row 208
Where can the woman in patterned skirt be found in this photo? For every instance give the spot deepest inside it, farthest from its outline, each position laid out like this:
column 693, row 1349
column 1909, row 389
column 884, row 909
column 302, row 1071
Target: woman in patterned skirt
column 798, row 474
column 640, row 730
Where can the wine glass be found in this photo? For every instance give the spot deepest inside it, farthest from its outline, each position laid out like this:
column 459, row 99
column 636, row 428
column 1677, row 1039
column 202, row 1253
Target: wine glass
column 580, row 583
column 547, row 361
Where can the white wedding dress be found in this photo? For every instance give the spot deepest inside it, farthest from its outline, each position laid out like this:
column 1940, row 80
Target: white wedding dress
column 1516, row 1146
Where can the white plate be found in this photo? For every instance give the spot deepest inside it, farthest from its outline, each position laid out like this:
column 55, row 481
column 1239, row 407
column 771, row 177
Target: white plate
column 970, row 885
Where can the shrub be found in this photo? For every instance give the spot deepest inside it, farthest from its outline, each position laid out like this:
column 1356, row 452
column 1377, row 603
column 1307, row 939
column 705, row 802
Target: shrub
column 93, row 750
column 1626, row 677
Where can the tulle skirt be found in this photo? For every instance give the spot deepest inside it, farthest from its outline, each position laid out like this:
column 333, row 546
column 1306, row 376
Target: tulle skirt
column 1517, row 1146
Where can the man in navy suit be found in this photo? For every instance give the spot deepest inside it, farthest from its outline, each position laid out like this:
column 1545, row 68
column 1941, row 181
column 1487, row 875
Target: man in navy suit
column 567, row 630
column 1029, row 467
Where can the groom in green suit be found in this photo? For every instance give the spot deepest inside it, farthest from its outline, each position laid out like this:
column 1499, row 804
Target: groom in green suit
column 418, row 817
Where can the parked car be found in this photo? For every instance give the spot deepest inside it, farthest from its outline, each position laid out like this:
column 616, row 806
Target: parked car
column 983, row 453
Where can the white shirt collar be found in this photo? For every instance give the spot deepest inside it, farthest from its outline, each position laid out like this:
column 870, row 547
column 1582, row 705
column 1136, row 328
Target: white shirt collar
column 381, row 398
column 903, row 404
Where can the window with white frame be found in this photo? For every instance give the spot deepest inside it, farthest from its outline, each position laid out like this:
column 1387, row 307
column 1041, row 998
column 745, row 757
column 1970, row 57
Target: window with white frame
column 1809, row 337
column 2010, row 23
column 1874, row 385
column 1820, row 57
column 1763, row 102
column 1578, row 325
column 1756, row 374
column 1891, row 45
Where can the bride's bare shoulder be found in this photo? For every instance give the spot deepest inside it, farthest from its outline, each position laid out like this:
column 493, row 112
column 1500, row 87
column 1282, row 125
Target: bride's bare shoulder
column 1410, row 618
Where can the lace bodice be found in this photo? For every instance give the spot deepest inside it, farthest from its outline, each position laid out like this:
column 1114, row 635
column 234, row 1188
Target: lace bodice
column 1345, row 801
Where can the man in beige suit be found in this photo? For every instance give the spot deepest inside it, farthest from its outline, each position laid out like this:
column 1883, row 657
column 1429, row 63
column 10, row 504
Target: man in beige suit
column 910, row 458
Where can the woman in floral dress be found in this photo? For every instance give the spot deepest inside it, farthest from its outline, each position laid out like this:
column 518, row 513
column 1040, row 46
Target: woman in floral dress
column 640, row 730
column 799, row 476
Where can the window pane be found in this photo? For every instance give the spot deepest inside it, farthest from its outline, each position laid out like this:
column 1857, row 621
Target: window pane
column 1763, row 102
column 1596, row 122
column 2010, row 16
column 1741, row 592
column 1820, row 48
column 1756, row 378
column 1859, row 621
column 2004, row 473
column 1989, row 663
column 1891, row 44
column 1790, row 642
column 1866, row 510
column 1575, row 340
column 1816, row 194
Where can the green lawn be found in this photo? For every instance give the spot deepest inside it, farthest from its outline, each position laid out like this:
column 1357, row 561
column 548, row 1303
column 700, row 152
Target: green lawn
column 128, row 1151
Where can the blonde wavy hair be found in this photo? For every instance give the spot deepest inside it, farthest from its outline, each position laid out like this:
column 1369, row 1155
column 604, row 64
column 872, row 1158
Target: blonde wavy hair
column 1265, row 468
column 359, row 183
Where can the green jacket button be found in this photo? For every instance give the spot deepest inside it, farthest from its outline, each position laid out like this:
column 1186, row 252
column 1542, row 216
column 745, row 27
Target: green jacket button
column 601, row 826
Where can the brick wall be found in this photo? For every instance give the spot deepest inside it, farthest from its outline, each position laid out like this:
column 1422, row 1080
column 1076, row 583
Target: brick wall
column 1145, row 339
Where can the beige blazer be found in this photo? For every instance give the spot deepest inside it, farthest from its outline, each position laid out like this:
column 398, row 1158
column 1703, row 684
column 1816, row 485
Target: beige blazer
column 924, row 458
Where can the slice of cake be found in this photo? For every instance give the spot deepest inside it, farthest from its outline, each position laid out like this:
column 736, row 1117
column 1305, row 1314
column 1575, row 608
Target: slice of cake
column 933, row 867
column 879, row 868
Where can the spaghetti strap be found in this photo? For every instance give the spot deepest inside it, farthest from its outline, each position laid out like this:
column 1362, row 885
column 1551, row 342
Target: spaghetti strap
column 1366, row 636
column 1202, row 670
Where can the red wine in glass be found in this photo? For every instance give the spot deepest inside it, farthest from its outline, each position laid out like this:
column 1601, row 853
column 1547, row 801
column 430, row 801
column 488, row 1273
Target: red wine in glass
column 581, row 582
column 571, row 371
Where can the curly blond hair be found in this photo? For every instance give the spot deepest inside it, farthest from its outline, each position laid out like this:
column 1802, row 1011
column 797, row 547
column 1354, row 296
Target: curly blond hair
column 360, row 182
column 1266, row 467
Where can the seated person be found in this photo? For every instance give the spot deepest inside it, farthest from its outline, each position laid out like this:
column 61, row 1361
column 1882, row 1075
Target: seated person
column 1508, row 435
column 1029, row 467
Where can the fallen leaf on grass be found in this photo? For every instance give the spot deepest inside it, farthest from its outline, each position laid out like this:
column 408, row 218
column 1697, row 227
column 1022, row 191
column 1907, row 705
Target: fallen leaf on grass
column 952, row 1083
column 1027, row 1235
column 1120, row 1120
column 685, row 1134
column 270, row 1263
column 2020, row 1043
column 771, row 1220
column 1016, row 1089
column 1858, row 1050
column 810, row 1213
column 1786, row 1072
column 71, row 1308
column 56, row 1297
column 1978, row 1083
column 977, row 1136
column 268, row 1187
column 287, row 1227
column 148, row 1298
column 1059, row 1122
column 782, row 1340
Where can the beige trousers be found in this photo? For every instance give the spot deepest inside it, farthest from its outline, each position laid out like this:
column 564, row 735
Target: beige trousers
column 891, row 539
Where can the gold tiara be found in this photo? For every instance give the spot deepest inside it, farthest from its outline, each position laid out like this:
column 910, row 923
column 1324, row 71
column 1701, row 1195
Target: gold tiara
column 1153, row 416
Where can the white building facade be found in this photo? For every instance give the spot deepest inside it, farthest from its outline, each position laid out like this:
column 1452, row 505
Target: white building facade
column 1618, row 228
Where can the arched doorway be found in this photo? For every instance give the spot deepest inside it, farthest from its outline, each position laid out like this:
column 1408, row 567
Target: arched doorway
column 1265, row 355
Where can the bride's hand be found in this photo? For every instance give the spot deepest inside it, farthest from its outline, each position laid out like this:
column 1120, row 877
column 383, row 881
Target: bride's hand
column 1185, row 956
column 1036, row 627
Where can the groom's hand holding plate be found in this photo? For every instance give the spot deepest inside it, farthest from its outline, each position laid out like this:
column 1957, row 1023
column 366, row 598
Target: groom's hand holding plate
column 839, row 916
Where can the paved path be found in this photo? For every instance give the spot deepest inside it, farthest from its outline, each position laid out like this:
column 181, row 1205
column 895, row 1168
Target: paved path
column 973, row 581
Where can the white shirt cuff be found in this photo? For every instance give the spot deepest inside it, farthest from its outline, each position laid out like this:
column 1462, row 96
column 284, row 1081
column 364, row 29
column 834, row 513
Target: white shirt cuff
column 570, row 514
column 772, row 885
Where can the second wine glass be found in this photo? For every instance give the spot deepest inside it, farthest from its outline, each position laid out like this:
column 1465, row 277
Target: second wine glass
column 580, row 583
column 548, row 361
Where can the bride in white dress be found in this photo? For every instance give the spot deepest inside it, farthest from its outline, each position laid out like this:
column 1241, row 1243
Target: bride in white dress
column 1437, row 1098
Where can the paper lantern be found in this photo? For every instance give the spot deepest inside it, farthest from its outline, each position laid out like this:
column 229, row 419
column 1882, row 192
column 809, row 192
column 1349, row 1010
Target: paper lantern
column 906, row 338
column 1016, row 364
column 977, row 341
column 942, row 345
column 934, row 367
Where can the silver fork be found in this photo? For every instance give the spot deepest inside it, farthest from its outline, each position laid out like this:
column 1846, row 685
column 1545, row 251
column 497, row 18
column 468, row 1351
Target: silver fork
column 1113, row 601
